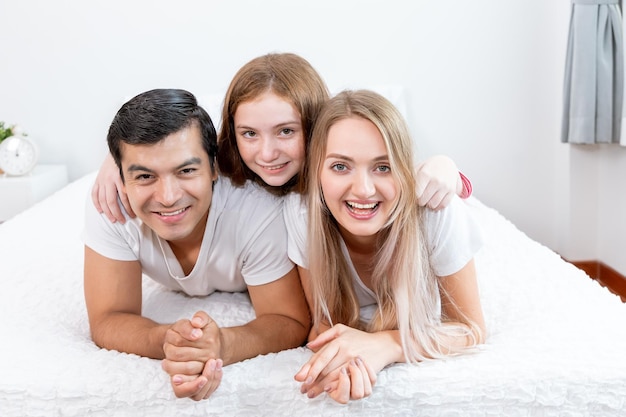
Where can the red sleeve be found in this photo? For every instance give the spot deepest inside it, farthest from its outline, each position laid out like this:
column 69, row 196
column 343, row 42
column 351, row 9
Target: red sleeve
column 467, row 186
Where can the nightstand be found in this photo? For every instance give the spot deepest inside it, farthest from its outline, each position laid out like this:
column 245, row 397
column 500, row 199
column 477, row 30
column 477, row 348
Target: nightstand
column 19, row 193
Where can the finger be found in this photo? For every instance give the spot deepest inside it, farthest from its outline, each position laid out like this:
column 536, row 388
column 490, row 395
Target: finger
column 182, row 333
column 445, row 201
column 322, row 363
column 368, row 369
column 124, row 200
column 185, row 354
column 214, row 376
column 182, row 368
column 301, row 375
column 95, row 193
column 427, row 194
column 183, row 387
column 356, row 381
column 326, row 336
column 436, row 199
column 341, row 394
column 113, row 206
column 323, row 384
column 201, row 319
column 363, row 384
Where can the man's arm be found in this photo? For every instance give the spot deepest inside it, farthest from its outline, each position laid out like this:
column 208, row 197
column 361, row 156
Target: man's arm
column 282, row 321
column 113, row 299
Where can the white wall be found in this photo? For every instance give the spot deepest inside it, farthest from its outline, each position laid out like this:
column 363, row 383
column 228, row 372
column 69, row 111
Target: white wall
column 483, row 82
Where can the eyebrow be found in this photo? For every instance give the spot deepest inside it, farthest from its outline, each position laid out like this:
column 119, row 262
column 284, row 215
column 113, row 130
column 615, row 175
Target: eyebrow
column 190, row 161
column 348, row 158
column 288, row 123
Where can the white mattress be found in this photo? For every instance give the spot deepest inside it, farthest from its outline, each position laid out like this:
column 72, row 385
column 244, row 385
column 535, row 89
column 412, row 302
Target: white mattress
column 557, row 343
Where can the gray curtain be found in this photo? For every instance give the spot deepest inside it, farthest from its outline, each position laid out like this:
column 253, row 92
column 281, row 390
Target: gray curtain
column 594, row 73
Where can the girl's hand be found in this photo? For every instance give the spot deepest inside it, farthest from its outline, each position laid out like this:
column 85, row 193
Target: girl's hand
column 107, row 187
column 438, row 181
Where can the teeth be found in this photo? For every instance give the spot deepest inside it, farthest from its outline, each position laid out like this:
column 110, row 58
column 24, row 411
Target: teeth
column 173, row 213
column 273, row 167
column 362, row 206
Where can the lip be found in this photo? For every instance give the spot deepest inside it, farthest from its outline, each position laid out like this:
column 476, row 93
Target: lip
column 171, row 216
column 362, row 210
column 274, row 168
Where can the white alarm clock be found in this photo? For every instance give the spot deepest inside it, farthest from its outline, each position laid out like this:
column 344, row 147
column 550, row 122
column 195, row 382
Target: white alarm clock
column 18, row 155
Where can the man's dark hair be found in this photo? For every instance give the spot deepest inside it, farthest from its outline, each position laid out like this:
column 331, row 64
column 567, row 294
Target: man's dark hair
column 149, row 117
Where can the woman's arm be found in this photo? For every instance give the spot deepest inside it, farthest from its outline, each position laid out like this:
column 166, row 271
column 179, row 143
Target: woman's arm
column 460, row 304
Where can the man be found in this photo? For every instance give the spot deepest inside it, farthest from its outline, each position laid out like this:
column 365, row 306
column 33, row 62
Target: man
column 194, row 232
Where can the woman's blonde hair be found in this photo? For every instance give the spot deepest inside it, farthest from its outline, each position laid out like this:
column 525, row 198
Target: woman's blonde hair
column 406, row 289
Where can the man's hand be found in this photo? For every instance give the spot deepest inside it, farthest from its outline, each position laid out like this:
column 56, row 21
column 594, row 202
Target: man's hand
column 192, row 356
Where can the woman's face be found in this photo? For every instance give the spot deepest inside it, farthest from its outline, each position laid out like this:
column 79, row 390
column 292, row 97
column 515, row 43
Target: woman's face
column 270, row 138
column 356, row 179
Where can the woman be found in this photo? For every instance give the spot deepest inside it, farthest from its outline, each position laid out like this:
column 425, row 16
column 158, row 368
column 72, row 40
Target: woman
column 382, row 264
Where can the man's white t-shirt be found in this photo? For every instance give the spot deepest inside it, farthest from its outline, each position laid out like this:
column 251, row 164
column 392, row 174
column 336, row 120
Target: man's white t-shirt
column 453, row 237
column 245, row 243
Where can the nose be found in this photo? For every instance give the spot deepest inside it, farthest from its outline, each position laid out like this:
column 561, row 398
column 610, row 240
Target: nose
column 269, row 149
column 363, row 184
column 168, row 191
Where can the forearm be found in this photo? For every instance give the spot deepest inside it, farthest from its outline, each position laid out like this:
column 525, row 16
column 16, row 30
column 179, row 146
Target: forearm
column 265, row 334
column 130, row 333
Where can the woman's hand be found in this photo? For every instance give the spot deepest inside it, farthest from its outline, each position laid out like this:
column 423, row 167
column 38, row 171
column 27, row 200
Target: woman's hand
column 107, row 187
column 343, row 347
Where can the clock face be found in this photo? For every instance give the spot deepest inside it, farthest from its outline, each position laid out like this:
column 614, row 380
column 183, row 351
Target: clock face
column 18, row 155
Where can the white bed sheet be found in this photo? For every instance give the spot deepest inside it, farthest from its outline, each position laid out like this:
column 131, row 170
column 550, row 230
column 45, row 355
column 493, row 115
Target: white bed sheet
column 557, row 343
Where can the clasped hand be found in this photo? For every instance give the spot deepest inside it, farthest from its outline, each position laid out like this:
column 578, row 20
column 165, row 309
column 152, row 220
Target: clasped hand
column 344, row 365
column 192, row 350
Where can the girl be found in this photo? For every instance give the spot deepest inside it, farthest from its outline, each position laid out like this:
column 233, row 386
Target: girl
column 397, row 281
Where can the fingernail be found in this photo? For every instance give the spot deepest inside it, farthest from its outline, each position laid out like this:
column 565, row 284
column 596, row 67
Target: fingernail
column 218, row 366
column 344, row 371
column 197, row 321
column 196, row 332
column 177, row 379
column 327, row 388
column 308, row 380
column 202, row 383
column 358, row 361
column 213, row 365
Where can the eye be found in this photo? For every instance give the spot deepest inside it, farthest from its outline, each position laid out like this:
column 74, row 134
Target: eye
column 339, row 167
column 187, row 171
column 286, row 131
column 143, row 177
column 383, row 168
column 248, row 134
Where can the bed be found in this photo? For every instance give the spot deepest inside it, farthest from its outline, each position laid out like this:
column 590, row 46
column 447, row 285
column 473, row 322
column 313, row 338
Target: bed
column 557, row 343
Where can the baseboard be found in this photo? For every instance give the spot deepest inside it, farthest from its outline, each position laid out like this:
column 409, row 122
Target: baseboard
column 605, row 275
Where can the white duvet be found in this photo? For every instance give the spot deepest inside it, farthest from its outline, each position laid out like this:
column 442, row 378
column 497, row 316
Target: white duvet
column 556, row 345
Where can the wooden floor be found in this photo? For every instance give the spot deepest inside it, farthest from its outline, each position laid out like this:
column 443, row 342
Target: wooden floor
column 605, row 275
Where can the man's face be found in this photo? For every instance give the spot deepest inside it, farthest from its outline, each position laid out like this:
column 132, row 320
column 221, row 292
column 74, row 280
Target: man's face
column 169, row 185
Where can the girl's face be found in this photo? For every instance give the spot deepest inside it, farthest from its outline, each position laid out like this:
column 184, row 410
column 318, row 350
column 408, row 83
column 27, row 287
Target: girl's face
column 270, row 138
column 356, row 179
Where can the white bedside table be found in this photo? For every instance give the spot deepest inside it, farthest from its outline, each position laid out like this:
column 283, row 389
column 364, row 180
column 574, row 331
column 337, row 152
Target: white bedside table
column 19, row 193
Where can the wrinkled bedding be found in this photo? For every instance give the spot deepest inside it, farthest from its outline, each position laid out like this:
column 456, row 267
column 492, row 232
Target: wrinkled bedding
column 556, row 346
